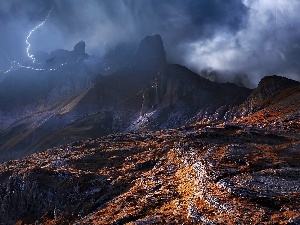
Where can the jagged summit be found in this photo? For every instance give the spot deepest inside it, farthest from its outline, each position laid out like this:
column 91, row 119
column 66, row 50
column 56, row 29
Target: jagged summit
column 62, row 56
column 276, row 82
column 267, row 87
column 79, row 49
column 149, row 53
column 151, row 50
column 65, row 56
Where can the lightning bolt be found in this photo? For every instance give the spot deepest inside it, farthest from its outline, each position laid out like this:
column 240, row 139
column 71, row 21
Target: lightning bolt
column 31, row 32
column 7, row 71
column 14, row 63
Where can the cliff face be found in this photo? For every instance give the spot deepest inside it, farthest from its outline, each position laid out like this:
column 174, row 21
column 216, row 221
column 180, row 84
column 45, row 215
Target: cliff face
column 190, row 175
column 32, row 102
column 151, row 50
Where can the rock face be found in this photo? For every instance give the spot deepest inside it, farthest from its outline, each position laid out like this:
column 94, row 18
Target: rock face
column 151, row 50
column 171, row 97
column 267, row 87
column 30, row 98
column 41, row 56
column 190, row 175
column 280, row 110
column 61, row 56
column 79, row 48
column 118, row 57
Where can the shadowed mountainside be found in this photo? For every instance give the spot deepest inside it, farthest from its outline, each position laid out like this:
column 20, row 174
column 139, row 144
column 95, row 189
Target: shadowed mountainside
column 147, row 94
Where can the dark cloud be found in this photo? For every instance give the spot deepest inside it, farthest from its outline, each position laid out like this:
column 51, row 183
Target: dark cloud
column 245, row 39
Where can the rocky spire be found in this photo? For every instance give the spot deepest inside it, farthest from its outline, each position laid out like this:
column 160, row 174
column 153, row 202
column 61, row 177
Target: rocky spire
column 151, row 50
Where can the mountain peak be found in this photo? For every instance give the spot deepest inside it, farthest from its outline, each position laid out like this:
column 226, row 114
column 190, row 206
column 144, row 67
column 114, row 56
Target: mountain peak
column 64, row 56
column 276, row 79
column 79, row 48
column 269, row 85
column 151, row 50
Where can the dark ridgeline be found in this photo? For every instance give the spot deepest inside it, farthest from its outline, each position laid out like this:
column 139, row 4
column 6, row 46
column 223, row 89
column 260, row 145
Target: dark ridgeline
column 42, row 109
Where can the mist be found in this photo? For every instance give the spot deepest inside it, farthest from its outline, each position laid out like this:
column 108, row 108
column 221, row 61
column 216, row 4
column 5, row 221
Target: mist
column 226, row 41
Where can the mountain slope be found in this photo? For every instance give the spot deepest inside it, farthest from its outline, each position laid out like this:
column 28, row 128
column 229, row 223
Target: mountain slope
column 147, row 94
column 37, row 87
column 267, row 87
column 195, row 176
column 278, row 111
column 172, row 97
column 29, row 99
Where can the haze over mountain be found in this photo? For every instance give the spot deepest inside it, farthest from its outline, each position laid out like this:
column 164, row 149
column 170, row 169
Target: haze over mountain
column 230, row 41
column 144, row 93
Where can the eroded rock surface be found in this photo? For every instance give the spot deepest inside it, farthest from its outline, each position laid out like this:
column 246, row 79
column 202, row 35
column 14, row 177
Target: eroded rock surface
column 190, row 175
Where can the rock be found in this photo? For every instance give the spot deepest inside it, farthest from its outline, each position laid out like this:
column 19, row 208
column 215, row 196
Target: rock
column 79, row 48
column 62, row 56
column 151, row 51
column 267, row 87
column 178, row 177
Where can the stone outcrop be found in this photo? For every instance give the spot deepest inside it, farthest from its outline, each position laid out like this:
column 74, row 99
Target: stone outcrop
column 62, row 56
column 151, row 51
column 267, row 87
column 190, row 175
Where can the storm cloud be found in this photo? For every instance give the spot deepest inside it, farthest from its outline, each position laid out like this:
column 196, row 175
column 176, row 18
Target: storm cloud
column 224, row 40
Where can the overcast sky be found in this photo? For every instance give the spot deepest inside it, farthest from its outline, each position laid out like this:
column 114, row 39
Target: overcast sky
column 240, row 39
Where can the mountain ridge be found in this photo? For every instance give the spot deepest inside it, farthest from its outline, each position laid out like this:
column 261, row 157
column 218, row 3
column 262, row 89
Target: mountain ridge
column 152, row 143
column 149, row 94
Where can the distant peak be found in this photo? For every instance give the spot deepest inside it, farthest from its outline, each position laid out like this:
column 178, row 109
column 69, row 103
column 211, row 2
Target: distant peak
column 156, row 37
column 61, row 56
column 151, row 49
column 278, row 80
column 79, row 48
column 270, row 85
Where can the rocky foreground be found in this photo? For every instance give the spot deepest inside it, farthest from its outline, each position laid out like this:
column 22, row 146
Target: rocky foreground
column 191, row 175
